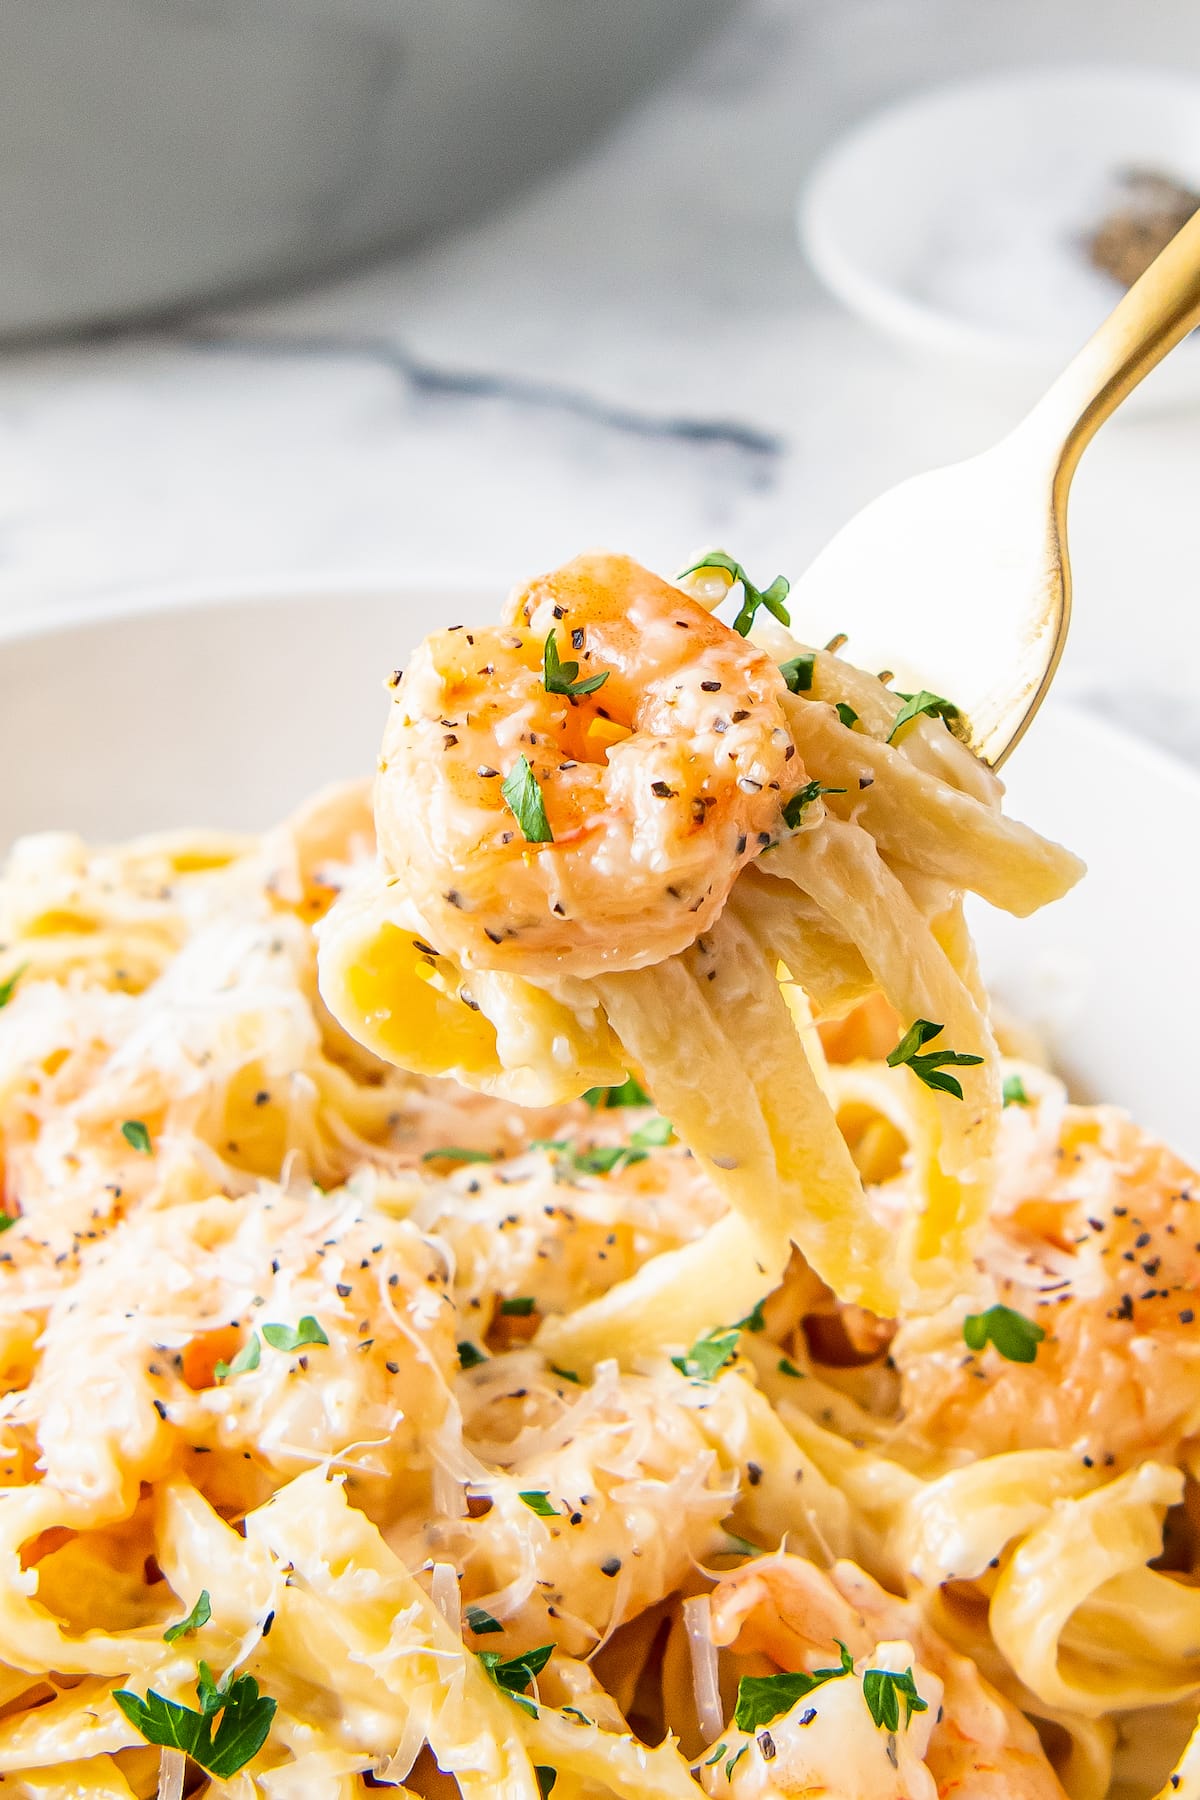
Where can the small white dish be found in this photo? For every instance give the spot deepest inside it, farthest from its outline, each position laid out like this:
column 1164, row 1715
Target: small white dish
column 229, row 712
column 955, row 220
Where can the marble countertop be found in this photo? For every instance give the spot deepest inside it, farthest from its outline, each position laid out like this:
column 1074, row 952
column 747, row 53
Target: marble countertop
column 633, row 354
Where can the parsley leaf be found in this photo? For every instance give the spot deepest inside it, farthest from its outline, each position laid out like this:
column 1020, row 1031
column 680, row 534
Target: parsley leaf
column 630, row 1093
column 455, row 1153
column 294, row 1337
column 137, row 1137
column 761, row 1698
column 515, row 1673
column 882, row 1689
column 1013, row 1092
column 546, row 1778
column 469, row 1357
column 481, row 1622
column 846, row 714
column 709, row 1354
column 604, row 1159
column 7, row 987
column 538, row 1501
column 247, row 1358
column 524, row 800
column 566, row 1374
column 245, row 1721
column 519, row 1307
column 794, row 809
column 771, row 597
column 1012, row 1334
column 200, row 1614
column 755, row 1319
column 797, row 673
column 929, row 1068
column 915, row 705
column 653, row 1134
column 787, row 1367
column 560, row 677
column 8, row 1220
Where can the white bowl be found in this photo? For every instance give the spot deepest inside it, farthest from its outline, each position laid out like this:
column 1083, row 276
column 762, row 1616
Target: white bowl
column 228, row 713
column 953, row 220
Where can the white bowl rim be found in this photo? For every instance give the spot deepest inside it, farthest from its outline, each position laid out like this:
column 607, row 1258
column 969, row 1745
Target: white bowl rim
column 278, row 588
column 356, row 586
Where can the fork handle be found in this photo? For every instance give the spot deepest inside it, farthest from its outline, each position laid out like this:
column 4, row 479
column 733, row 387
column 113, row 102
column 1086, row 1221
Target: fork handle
column 1160, row 308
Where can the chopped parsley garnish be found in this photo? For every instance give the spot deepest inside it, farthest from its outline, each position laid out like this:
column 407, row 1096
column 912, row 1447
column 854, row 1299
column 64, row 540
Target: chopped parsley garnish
column 1013, row 1092
column 200, row 1614
column 755, row 1319
column 469, row 1356
column 771, row 597
column 247, row 1358
column 604, row 1159
column 8, row 1220
column 244, row 1721
column 538, row 1501
column 914, row 705
column 653, row 1134
column 481, row 1622
column 797, row 673
column 629, row 1093
column 514, row 1674
column 137, row 1137
column 846, row 714
column 8, row 987
column 519, row 1307
column 566, row 1374
column 546, row 1778
column 761, row 1698
column 561, row 677
column 295, row 1337
column 709, row 1354
column 456, row 1153
column 882, row 1689
column 524, row 800
column 787, row 1367
column 929, row 1068
column 803, row 798
column 1011, row 1333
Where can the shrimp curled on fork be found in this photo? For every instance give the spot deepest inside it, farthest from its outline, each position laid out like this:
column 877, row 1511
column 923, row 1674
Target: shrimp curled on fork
column 653, row 787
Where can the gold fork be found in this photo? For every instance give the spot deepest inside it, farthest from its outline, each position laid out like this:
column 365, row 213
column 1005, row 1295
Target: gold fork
column 961, row 577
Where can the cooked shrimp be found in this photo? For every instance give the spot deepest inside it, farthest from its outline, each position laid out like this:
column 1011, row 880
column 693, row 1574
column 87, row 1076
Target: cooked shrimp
column 967, row 1740
column 657, row 785
column 1100, row 1246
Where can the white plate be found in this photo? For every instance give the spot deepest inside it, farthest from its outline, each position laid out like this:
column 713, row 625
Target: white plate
column 228, row 713
column 953, row 219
